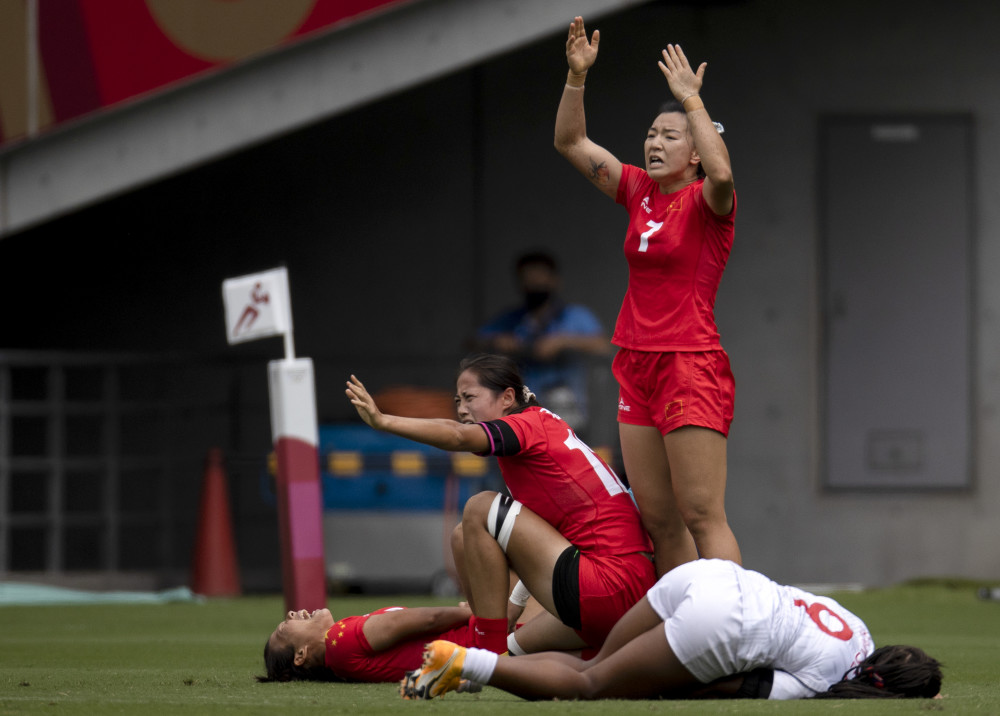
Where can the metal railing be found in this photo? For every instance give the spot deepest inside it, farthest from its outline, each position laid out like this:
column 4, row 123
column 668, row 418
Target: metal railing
column 88, row 461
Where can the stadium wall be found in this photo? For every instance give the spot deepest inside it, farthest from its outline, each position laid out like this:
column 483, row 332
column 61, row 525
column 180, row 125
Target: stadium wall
column 399, row 219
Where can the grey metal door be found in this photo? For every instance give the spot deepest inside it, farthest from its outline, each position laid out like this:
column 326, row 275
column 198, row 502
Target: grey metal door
column 896, row 201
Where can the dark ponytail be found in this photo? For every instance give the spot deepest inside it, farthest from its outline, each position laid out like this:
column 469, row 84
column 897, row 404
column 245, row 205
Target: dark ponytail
column 892, row 672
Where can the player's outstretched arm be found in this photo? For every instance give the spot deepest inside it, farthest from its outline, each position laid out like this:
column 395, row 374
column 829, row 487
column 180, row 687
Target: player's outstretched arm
column 444, row 434
column 387, row 629
column 596, row 163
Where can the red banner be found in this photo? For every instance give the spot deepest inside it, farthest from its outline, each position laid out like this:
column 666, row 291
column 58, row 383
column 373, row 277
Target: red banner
column 97, row 53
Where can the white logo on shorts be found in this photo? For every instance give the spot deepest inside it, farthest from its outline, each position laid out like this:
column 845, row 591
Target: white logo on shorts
column 622, row 407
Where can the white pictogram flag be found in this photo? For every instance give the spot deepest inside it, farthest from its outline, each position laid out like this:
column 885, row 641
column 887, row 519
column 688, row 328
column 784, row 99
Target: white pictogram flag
column 257, row 306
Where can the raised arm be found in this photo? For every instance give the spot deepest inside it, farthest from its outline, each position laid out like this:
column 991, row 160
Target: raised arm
column 444, row 434
column 685, row 84
column 596, row 163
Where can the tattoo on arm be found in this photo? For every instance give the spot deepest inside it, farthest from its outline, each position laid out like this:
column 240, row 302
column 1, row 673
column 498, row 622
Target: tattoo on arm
column 599, row 173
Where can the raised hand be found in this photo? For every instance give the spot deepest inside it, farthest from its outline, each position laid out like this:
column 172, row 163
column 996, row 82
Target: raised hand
column 581, row 53
column 363, row 402
column 683, row 81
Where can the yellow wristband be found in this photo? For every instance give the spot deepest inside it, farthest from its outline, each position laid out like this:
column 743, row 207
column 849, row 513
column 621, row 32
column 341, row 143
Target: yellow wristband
column 572, row 77
column 695, row 105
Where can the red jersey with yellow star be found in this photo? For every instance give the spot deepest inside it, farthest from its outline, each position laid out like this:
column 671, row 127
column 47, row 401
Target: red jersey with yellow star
column 351, row 658
column 677, row 249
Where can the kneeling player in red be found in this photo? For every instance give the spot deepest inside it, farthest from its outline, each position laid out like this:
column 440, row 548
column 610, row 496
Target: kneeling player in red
column 375, row 647
column 568, row 528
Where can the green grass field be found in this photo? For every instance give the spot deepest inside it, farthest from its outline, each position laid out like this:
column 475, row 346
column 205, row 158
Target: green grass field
column 201, row 659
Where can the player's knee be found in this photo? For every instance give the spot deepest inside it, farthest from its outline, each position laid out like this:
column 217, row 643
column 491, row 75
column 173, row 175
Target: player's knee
column 702, row 519
column 493, row 512
column 663, row 524
column 477, row 508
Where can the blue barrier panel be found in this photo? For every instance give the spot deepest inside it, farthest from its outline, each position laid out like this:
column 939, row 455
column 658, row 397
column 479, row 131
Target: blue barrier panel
column 363, row 469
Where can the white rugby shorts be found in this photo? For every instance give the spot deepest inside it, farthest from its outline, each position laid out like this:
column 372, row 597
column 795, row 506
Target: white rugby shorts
column 702, row 610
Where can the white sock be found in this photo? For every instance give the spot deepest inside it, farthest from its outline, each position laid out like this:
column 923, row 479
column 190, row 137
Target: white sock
column 479, row 665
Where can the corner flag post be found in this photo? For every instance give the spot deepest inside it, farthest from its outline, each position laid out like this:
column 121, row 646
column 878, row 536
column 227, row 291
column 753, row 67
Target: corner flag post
column 259, row 305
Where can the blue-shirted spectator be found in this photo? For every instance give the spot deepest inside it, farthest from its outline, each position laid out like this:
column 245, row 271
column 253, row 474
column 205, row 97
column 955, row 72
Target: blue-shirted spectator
column 550, row 339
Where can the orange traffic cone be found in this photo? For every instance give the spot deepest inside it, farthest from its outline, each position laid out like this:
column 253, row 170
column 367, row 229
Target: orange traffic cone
column 214, row 571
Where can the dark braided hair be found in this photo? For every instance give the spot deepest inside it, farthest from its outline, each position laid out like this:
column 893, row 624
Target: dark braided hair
column 891, row 672
column 496, row 373
column 280, row 665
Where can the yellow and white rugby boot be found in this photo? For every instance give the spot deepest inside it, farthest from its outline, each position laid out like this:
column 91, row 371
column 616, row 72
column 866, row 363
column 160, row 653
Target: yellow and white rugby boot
column 440, row 673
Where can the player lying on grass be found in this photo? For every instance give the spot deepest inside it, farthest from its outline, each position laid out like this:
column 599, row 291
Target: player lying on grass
column 381, row 646
column 707, row 629
column 569, row 528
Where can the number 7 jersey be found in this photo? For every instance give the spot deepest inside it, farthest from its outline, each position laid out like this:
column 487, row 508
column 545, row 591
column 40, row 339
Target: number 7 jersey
column 676, row 248
column 558, row 477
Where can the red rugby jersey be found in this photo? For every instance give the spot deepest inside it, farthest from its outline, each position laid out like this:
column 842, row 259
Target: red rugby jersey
column 676, row 248
column 558, row 477
column 351, row 657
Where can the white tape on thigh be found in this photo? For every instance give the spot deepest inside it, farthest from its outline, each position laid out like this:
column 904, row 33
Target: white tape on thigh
column 500, row 520
column 520, row 594
column 513, row 648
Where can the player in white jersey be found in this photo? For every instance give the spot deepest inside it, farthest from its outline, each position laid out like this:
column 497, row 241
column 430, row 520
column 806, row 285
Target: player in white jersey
column 720, row 620
column 709, row 629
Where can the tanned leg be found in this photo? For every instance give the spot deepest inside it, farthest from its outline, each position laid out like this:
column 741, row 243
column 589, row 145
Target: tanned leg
column 698, row 471
column 649, row 475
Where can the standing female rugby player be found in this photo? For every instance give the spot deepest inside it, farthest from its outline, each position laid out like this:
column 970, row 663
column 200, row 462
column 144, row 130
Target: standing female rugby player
column 676, row 387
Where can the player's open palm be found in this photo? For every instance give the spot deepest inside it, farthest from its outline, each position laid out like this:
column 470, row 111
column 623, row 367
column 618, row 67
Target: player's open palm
column 581, row 53
column 363, row 402
column 683, row 81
